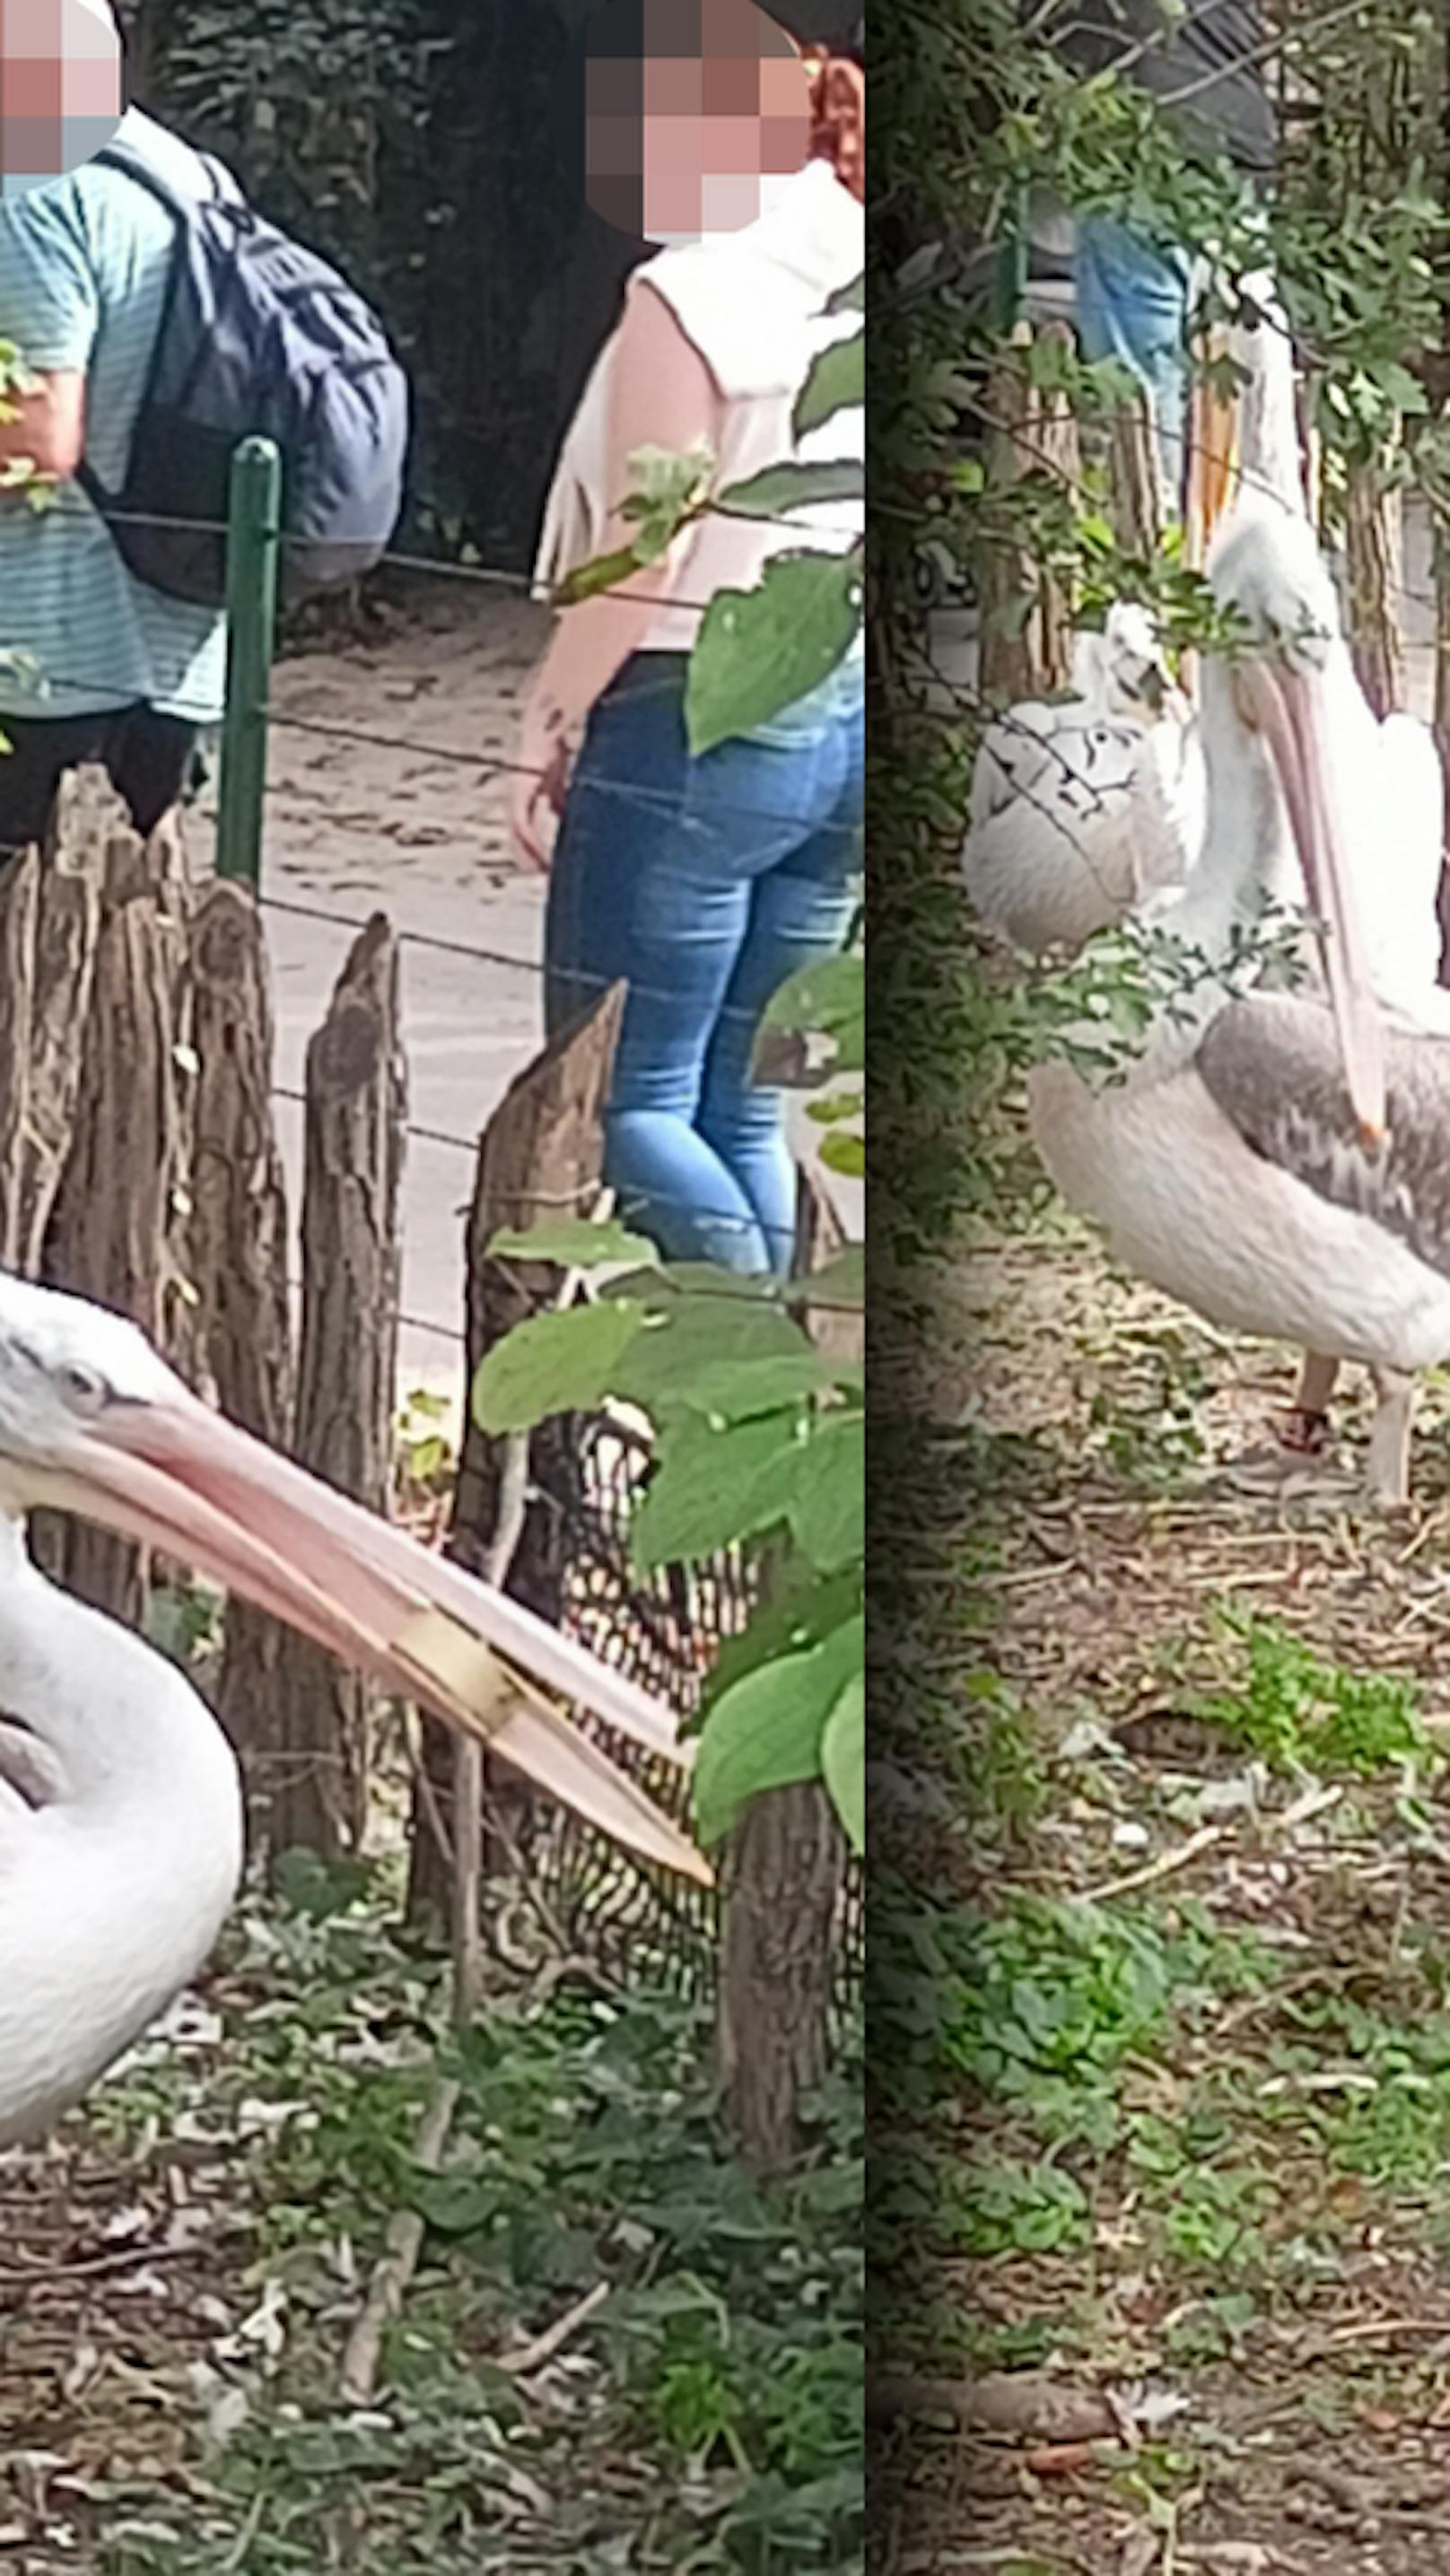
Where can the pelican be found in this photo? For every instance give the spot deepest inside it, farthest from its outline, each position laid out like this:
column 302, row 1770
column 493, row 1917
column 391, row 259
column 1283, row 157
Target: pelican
column 120, row 1802
column 1276, row 1163
column 1385, row 775
column 1083, row 807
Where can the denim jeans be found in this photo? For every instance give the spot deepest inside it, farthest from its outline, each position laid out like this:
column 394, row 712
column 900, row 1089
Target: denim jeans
column 702, row 883
column 1132, row 305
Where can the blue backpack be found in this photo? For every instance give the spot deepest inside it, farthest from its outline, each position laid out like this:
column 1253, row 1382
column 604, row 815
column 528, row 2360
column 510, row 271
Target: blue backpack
column 259, row 337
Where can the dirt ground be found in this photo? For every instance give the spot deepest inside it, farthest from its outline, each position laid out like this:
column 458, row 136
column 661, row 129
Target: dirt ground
column 1163, row 2214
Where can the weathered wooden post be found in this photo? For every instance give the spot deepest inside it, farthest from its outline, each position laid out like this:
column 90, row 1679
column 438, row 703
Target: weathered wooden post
column 313, row 1749
column 118, row 1229
column 50, row 923
column 542, row 1153
column 239, row 1243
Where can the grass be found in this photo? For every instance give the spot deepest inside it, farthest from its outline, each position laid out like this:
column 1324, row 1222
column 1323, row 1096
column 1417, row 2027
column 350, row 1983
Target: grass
column 707, row 2417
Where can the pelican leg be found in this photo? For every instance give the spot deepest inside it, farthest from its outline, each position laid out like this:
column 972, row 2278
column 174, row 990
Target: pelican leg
column 1309, row 1414
column 1389, row 1436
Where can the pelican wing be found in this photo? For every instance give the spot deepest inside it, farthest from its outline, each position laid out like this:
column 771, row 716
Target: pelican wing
column 1272, row 1065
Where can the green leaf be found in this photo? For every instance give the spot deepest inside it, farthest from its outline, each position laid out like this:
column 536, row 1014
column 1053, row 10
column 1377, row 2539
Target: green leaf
column 735, row 1358
column 837, row 382
column 767, row 1731
column 801, row 1612
column 843, row 1759
column 761, row 650
column 846, row 1155
column 573, row 1243
column 712, row 1488
column 587, row 580
column 828, row 1496
column 782, row 488
column 554, row 1364
column 831, row 998
column 849, row 299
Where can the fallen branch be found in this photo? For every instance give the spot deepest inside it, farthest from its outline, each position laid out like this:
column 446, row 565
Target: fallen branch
column 394, row 2273
column 555, row 2337
column 1163, row 1867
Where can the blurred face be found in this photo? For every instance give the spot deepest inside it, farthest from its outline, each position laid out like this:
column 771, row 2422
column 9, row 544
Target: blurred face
column 699, row 113
column 60, row 88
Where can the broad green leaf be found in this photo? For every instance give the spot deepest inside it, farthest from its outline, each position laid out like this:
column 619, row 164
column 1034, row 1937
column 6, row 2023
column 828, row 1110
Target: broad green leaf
column 849, row 299
column 711, row 1488
column 829, row 997
column 587, row 580
column 843, row 1759
column 554, row 1364
column 801, row 1612
column 767, row 1731
column 573, row 1243
column 782, row 488
column 837, row 382
column 761, row 650
column 734, row 1357
column 828, row 1494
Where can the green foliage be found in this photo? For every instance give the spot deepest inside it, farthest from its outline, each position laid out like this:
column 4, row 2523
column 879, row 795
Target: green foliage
column 1302, row 1714
column 761, row 650
column 725, row 2366
column 759, row 1439
column 837, row 382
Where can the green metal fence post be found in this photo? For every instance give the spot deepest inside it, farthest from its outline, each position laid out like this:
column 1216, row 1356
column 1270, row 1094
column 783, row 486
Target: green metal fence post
column 254, row 529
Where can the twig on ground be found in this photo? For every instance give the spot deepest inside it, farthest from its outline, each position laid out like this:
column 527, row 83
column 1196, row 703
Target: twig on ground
column 394, row 2273
column 1163, row 1867
column 544, row 2346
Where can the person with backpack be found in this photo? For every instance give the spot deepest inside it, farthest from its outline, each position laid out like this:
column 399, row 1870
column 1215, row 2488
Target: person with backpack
column 161, row 321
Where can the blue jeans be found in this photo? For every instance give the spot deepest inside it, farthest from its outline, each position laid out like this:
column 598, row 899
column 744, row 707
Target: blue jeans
column 703, row 884
column 1132, row 305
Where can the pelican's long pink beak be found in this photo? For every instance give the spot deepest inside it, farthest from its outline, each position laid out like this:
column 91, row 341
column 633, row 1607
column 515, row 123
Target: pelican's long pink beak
column 1289, row 708
column 180, row 1479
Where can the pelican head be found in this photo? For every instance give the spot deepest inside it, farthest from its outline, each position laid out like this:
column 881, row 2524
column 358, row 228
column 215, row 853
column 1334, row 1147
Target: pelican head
column 1267, row 567
column 93, row 1422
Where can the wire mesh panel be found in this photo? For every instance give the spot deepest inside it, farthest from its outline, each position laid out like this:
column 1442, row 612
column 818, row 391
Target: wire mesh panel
column 664, row 1630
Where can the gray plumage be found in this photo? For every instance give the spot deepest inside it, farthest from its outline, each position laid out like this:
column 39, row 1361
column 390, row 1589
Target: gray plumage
column 1272, row 1065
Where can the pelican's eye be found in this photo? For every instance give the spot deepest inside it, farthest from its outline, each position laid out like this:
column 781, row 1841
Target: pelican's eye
column 84, row 1389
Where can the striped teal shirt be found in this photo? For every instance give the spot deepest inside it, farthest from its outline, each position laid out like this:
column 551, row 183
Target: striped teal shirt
column 84, row 267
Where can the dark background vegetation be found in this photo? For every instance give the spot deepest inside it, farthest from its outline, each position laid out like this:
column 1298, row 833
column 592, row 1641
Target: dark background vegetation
column 434, row 150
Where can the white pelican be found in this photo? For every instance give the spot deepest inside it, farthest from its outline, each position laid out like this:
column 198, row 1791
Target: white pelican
column 1084, row 807
column 1276, row 1163
column 120, row 1803
column 1384, row 775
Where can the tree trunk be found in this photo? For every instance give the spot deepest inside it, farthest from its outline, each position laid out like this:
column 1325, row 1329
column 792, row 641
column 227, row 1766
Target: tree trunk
column 541, row 1154
column 118, row 1230
column 1059, row 453
column 1006, row 579
column 240, row 1241
column 1374, row 552
column 781, row 1891
column 315, row 1757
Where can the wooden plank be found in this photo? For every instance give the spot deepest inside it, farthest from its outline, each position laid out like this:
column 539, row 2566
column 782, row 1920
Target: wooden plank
column 50, row 919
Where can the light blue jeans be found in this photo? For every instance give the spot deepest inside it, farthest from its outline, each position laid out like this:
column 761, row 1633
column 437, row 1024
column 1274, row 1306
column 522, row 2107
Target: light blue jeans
column 704, row 884
column 1132, row 305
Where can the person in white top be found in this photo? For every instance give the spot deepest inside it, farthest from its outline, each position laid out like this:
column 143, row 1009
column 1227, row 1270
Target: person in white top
column 701, row 882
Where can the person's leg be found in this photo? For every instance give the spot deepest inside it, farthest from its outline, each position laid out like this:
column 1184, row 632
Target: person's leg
column 149, row 757
column 801, row 911
column 1132, row 304
column 626, row 904
column 41, row 750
